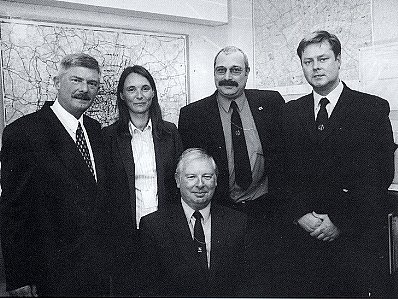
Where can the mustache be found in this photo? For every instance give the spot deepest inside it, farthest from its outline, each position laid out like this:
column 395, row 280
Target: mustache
column 82, row 96
column 228, row 83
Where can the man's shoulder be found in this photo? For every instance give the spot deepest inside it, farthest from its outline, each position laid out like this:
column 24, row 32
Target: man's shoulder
column 265, row 95
column 30, row 121
column 228, row 212
column 171, row 127
column 200, row 104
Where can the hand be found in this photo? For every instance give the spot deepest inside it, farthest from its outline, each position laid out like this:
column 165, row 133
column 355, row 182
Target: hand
column 26, row 291
column 309, row 222
column 327, row 231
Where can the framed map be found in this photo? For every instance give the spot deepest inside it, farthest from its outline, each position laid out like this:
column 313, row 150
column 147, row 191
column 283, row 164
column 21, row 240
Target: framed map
column 31, row 52
column 279, row 26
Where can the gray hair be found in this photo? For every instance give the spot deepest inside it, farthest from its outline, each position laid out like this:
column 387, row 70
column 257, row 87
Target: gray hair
column 78, row 59
column 191, row 154
column 232, row 49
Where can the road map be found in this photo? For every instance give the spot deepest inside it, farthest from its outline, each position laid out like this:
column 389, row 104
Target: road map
column 280, row 25
column 31, row 52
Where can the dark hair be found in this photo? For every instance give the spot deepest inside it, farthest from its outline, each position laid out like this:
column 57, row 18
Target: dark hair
column 79, row 59
column 317, row 37
column 155, row 113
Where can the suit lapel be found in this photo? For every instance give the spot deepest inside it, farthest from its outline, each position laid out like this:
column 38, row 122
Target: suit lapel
column 215, row 126
column 66, row 148
column 307, row 116
column 260, row 115
column 182, row 235
column 126, row 155
column 160, row 146
column 217, row 239
column 339, row 112
column 97, row 147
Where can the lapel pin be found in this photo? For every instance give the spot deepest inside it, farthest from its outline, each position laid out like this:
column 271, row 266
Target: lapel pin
column 260, row 108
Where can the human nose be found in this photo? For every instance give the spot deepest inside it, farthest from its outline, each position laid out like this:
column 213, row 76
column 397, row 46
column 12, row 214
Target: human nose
column 200, row 182
column 84, row 86
column 228, row 74
column 139, row 94
column 316, row 64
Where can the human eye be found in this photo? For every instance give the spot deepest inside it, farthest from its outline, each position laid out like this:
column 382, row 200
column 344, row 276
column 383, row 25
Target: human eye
column 93, row 84
column 221, row 70
column 307, row 62
column 75, row 80
column 208, row 176
column 236, row 70
column 131, row 89
column 146, row 88
column 323, row 59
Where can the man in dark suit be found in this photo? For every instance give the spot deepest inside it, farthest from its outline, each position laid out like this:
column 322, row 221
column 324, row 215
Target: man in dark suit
column 179, row 260
column 339, row 164
column 52, row 192
column 211, row 124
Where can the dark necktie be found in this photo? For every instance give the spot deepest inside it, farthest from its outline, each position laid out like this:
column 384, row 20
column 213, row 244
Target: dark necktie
column 243, row 173
column 199, row 239
column 82, row 146
column 322, row 117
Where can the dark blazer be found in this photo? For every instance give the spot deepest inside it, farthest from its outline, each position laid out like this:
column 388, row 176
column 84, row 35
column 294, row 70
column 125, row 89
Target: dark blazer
column 200, row 126
column 52, row 208
column 345, row 173
column 121, row 187
column 171, row 267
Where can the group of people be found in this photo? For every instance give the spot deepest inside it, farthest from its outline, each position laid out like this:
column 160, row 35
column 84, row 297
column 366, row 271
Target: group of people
column 249, row 197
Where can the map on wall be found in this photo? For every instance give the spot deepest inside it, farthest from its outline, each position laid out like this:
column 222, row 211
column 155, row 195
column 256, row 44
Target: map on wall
column 31, row 52
column 280, row 25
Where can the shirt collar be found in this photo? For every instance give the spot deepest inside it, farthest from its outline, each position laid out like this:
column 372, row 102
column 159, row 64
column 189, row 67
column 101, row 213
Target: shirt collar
column 134, row 129
column 189, row 211
column 65, row 117
column 226, row 103
column 333, row 96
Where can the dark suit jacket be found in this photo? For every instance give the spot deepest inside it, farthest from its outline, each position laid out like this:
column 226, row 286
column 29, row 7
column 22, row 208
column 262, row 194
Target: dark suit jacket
column 171, row 266
column 345, row 173
column 51, row 208
column 200, row 126
column 121, row 186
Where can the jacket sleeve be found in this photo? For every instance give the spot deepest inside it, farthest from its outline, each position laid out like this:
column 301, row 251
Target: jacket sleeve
column 18, row 225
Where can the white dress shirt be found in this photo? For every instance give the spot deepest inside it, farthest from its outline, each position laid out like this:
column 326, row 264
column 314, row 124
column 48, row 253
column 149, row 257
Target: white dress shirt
column 70, row 124
column 333, row 97
column 146, row 187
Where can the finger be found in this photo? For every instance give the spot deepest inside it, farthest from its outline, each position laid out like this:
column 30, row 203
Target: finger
column 34, row 291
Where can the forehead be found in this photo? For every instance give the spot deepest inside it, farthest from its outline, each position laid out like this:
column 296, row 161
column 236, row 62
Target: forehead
column 82, row 72
column 136, row 79
column 231, row 59
column 198, row 165
column 317, row 49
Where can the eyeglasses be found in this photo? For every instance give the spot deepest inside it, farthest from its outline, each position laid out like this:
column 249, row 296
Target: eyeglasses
column 233, row 70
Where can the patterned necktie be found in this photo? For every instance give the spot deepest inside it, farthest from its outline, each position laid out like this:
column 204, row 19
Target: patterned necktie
column 243, row 172
column 322, row 117
column 82, row 146
column 199, row 239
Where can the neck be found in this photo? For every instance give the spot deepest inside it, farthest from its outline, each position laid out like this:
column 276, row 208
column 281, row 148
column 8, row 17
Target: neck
column 140, row 121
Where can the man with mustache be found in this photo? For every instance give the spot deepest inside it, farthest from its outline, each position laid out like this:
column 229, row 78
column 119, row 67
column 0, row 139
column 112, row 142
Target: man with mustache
column 212, row 122
column 339, row 164
column 53, row 199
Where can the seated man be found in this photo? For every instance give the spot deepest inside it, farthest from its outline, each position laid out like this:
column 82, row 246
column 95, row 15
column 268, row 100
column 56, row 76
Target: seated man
column 194, row 248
